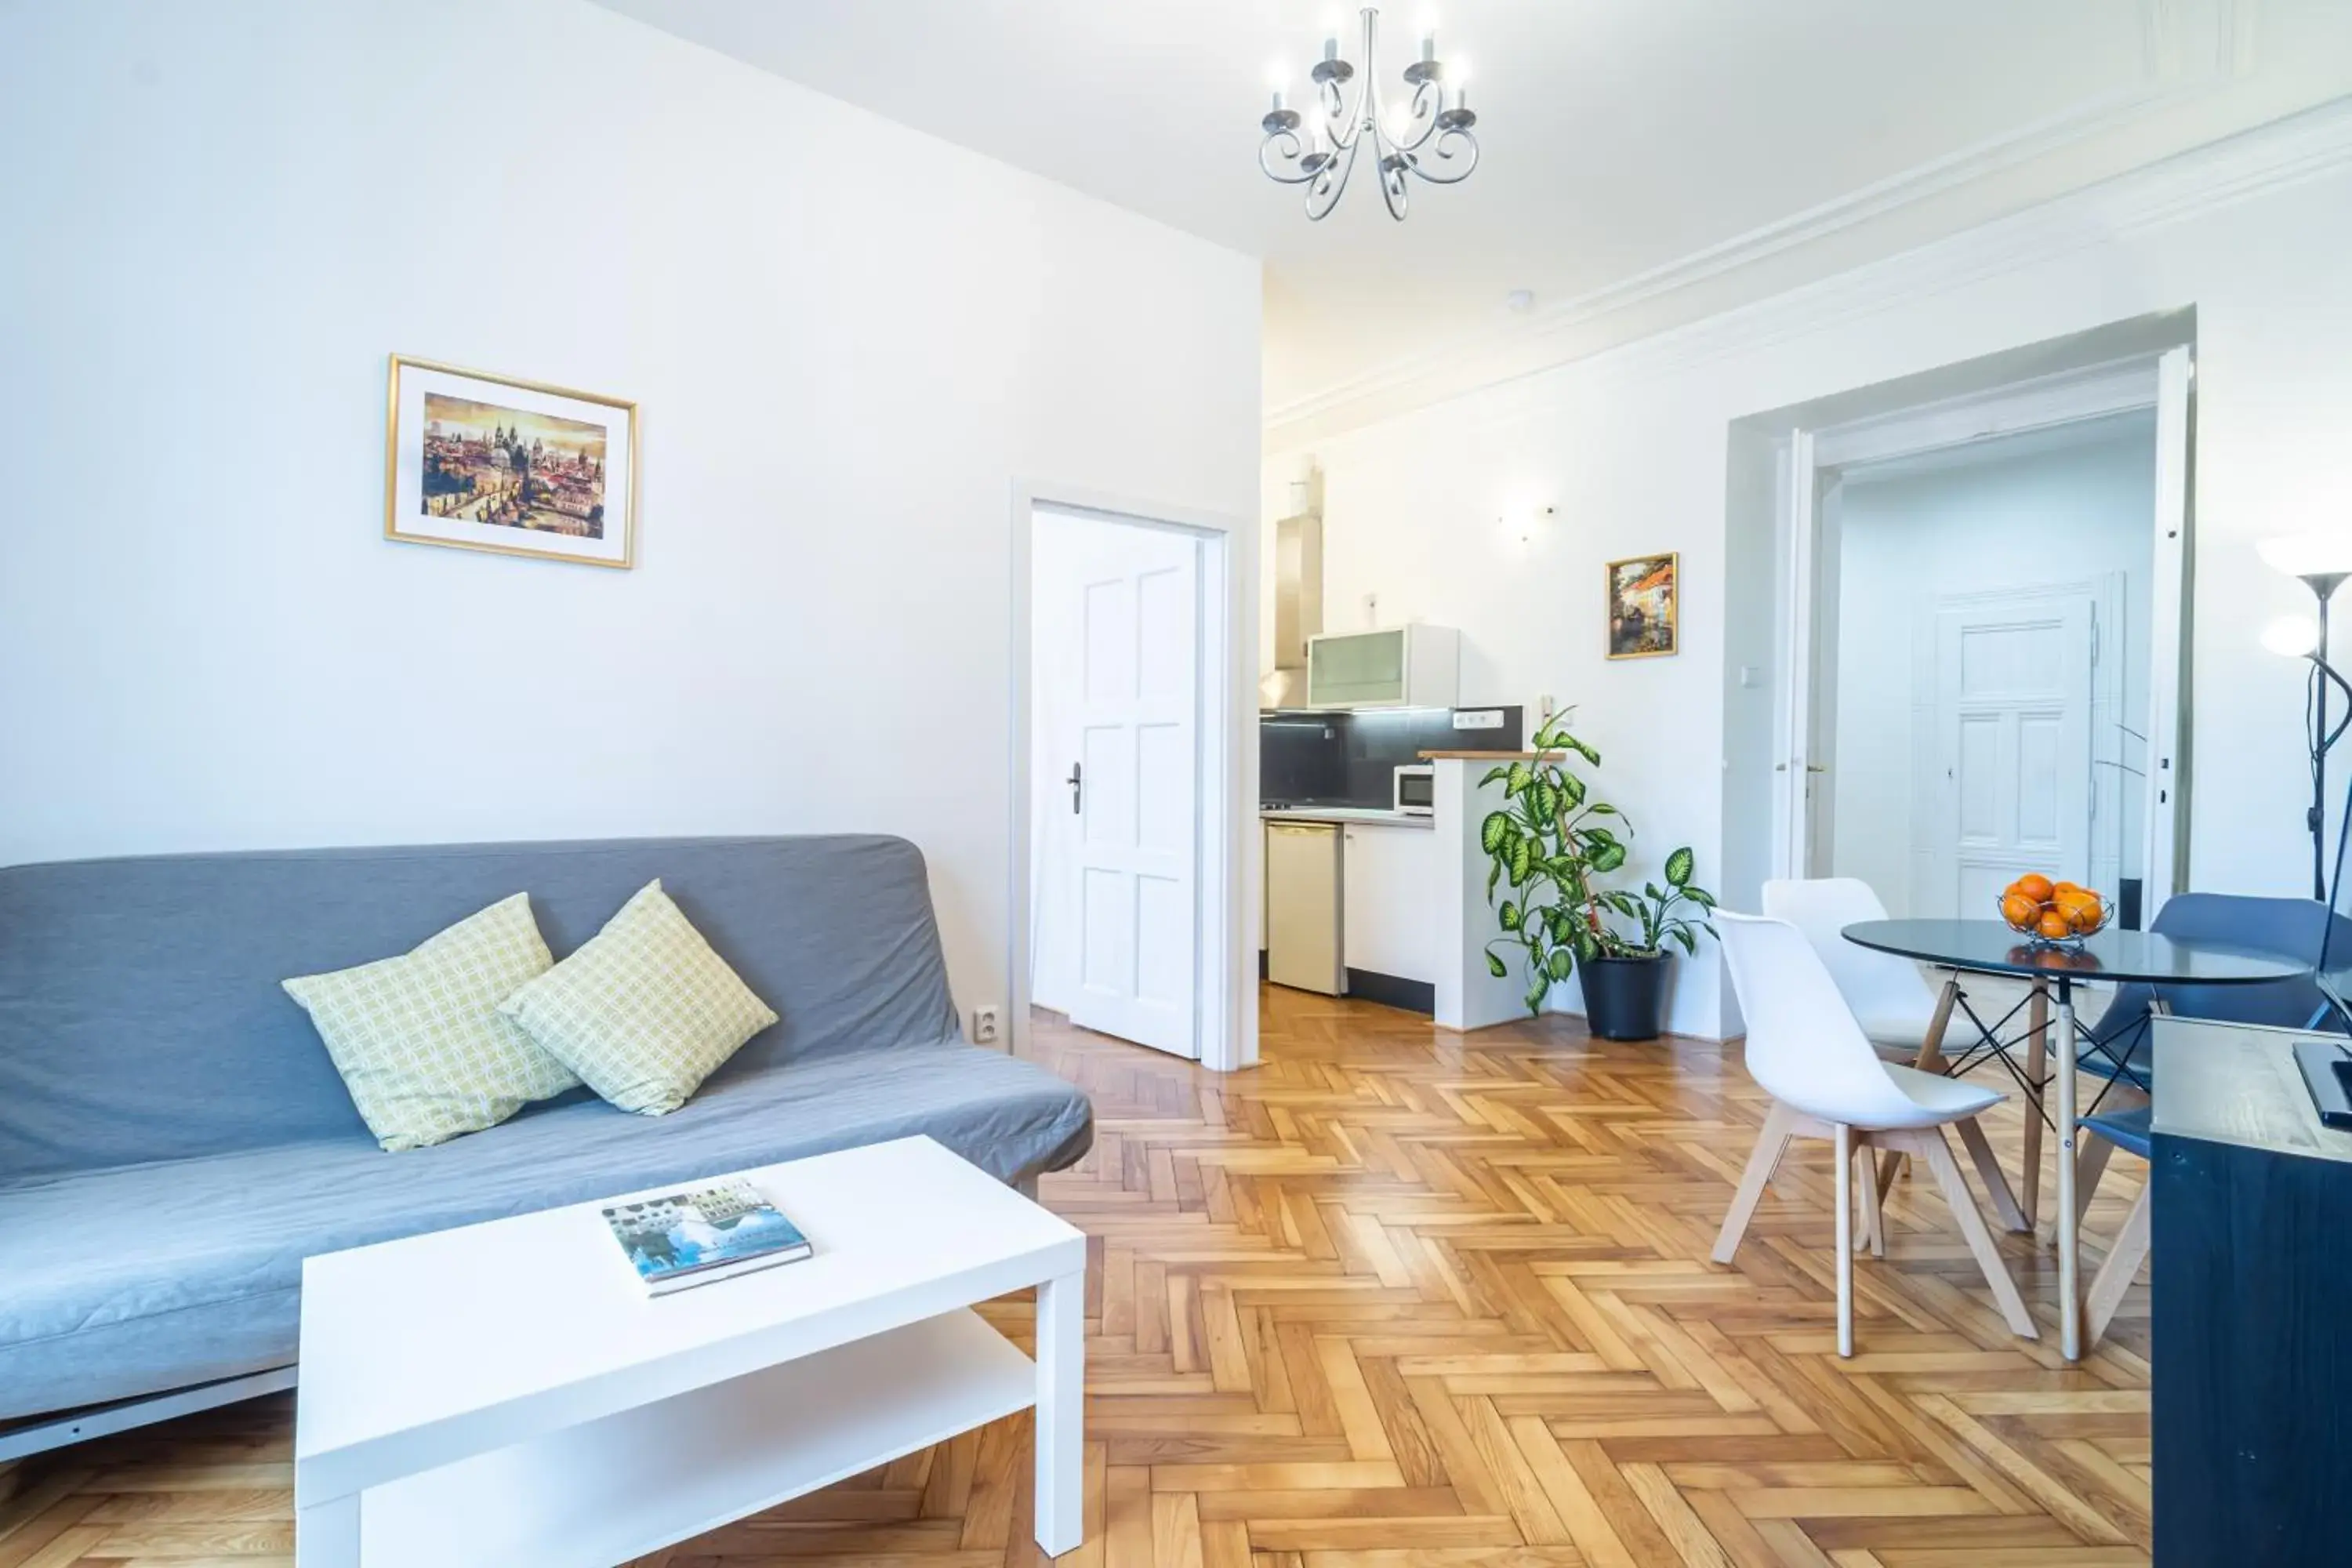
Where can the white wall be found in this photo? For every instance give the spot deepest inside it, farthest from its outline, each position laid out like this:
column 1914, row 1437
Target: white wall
column 2018, row 515
column 848, row 339
column 1633, row 448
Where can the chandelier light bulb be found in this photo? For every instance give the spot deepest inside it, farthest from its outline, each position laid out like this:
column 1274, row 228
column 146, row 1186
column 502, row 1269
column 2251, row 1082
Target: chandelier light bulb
column 2292, row 637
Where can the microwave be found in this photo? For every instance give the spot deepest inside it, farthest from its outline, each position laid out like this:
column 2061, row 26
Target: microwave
column 1416, row 790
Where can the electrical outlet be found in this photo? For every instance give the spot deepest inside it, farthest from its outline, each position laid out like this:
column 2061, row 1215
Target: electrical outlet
column 987, row 1024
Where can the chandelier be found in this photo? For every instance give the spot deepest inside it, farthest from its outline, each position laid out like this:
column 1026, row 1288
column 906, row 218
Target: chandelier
column 1422, row 137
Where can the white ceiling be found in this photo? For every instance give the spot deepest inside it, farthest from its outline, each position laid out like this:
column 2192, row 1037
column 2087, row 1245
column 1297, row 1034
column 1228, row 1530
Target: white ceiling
column 1643, row 160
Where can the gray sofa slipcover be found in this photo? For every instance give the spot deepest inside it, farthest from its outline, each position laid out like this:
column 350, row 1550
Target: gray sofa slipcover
column 174, row 1140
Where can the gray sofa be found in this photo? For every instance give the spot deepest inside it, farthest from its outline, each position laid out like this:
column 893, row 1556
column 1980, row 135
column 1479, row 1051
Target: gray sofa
column 174, row 1140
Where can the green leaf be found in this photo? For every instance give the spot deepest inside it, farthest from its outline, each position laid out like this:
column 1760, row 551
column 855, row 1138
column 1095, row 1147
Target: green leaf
column 1496, row 831
column 1523, row 856
column 1494, row 875
column 1680, row 864
column 1603, row 808
column 1607, row 857
column 1497, row 772
column 1536, row 992
column 1690, row 944
column 1580, row 749
column 1561, row 965
column 1510, row 915
column 1497, row 967
column 1700, row 897
column 1599, row 836
column 1572, row 788
column 1521, row 776
column 1587, row 944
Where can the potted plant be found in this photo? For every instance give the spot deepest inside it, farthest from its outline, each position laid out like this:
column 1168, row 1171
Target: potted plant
column 1552, row 842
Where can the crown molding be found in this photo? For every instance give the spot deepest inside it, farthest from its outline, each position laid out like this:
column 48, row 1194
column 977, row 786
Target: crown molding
column 2307, row 146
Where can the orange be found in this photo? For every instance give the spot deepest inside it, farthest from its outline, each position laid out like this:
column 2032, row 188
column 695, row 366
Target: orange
column 2083, row 910
column 2054, row 926
column 2034, row 886
column 2060, row 889
column 2020, row 910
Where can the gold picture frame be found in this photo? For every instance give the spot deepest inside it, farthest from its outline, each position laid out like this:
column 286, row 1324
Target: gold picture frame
column 1643, row 615
column 508, row 467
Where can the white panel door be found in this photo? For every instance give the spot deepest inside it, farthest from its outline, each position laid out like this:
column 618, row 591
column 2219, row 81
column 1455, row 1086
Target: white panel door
column 1137, row 772
column 2013, row 731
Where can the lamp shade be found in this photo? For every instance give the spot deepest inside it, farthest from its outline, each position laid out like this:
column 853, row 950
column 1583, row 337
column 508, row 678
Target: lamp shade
column 2316, row 555
column 2291, row 637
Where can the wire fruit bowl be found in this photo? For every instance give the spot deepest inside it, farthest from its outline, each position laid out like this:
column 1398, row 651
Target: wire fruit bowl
column 2081, row 911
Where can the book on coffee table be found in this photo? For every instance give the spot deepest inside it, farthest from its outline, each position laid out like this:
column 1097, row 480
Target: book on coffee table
column 678, row 1240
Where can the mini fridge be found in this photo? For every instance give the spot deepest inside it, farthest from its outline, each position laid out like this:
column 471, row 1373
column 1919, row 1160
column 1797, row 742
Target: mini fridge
column 1304, row 945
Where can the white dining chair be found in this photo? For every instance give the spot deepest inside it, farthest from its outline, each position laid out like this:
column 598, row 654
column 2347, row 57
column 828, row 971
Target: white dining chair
column 1902, row 1013
column 1807, row 1051
column 1890, row 997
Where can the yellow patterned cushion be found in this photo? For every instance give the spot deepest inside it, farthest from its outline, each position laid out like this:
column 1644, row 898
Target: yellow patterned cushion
column 419, row 1040
column 645, row 1011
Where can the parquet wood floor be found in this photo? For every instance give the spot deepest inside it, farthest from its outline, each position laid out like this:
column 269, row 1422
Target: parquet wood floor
column 1401, row 1297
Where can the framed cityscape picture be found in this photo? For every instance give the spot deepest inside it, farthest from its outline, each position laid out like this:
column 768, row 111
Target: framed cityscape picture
column 487, row 462
column 1645, row 605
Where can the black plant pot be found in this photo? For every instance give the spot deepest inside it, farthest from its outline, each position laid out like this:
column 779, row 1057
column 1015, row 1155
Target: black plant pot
column 1624, row 998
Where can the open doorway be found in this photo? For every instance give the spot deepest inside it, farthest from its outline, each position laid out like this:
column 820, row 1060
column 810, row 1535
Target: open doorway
column 1981, row 688
column 1126, row 779
column 1789, row 488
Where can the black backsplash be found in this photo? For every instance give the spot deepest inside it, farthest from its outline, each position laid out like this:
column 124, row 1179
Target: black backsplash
column 1352, row 758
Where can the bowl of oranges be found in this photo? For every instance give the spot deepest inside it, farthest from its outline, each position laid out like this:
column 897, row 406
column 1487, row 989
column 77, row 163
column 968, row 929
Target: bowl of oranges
column 2054, row 914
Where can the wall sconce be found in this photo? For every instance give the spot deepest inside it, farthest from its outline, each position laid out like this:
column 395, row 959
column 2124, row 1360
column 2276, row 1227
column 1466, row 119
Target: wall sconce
column 1524, row 525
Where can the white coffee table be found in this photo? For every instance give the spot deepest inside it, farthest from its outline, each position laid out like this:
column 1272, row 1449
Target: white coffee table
column 506, row 1394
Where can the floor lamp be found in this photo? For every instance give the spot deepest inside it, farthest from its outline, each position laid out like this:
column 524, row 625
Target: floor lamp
column 2321, row 562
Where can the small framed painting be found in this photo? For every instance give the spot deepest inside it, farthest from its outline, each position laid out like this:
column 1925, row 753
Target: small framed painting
column 486, row 462
column 1645, row 605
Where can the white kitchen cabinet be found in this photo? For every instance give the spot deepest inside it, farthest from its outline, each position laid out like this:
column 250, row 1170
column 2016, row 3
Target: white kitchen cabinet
column 1396, row 666
column 1390, row 896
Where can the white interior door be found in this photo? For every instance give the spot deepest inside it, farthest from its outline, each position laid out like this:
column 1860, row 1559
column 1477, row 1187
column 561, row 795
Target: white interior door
column 1136, row 773
column 2013, row 734
column 2165, row 858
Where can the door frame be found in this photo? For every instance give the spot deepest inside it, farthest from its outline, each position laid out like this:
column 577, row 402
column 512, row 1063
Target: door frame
column 1225, row 955
column 1811, row 461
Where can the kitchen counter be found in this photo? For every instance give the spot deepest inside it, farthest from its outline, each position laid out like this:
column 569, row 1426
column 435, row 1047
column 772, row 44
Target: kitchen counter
column 1351, row 813
column 1494, row 756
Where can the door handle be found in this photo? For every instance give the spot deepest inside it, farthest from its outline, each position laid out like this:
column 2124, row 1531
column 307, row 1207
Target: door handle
column 1077, row 772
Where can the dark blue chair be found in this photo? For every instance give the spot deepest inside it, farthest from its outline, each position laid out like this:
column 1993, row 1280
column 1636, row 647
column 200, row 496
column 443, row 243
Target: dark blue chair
column 2116, row 1046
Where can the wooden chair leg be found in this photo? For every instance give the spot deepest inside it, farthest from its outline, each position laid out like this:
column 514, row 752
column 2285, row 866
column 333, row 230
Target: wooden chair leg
column 1929, row 1059
column 1987, row 1165
column 1844, row 1239
column 2090, row 1167
column 2091, row 1164
column 1874, row 1212
column 2117, row 1274
column 1938, row 1151
column 1780, row 1126
column 2037, row 1067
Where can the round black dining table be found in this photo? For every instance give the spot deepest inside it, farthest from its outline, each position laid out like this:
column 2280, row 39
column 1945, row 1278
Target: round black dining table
column 1991, row 947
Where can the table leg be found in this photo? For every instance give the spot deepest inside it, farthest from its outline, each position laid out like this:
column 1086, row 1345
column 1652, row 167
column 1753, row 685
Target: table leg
column 1061, row 1414
column 2069, row 1224
column 327, row 1534
column 2037, row 1065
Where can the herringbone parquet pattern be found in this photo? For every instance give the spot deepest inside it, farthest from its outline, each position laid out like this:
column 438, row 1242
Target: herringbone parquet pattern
column 1401, row 1297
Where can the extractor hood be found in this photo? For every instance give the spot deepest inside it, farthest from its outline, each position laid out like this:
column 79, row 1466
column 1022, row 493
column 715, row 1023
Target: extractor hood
column 1297, row 592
